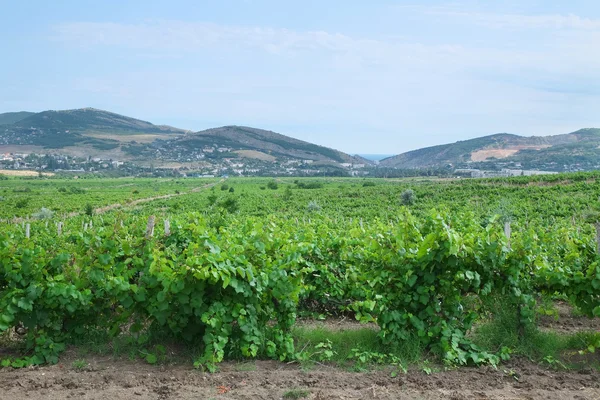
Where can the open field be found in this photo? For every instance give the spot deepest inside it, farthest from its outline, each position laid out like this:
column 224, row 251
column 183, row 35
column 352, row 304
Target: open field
column 20, row 172
column 320, row 288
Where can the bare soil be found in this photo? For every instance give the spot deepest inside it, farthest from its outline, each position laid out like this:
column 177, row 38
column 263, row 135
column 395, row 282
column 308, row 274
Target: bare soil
column 116, row 379
column 567, row 321
column 105, row 377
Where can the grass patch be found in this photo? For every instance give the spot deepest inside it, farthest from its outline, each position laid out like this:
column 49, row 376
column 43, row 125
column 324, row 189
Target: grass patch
column 546, row 347
column 79, row 365
column 245, row 367
column 296, row 394
column 344, row 346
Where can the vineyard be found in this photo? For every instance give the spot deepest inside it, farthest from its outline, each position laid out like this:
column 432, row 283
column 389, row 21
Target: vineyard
column 233, row 267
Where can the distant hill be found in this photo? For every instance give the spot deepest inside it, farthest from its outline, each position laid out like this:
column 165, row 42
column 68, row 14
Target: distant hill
column 576, row 150
column 374, row 157
column 92, row 132
column 240, row 138
column 91, row 119
column 12, row 117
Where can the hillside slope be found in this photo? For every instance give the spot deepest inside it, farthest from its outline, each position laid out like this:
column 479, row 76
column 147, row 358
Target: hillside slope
column 555, row 152
column 91, row 132
column 12, row 117
column 274, row 144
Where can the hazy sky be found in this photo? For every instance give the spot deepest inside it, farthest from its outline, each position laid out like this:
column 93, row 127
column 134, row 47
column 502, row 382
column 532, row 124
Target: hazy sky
column 369, row 76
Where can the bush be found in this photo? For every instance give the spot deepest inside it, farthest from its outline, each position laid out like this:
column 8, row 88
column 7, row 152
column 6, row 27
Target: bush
column 230, row 204
column 287, row 195
column 44, row 213
column 408, row 197
column 3, row 177
column 88, row 210
column 22, row 203
column 22, row 190
column 212, row 199
column 310, row 185
column 76, row 190
column 272, row 185
column 368, row 183
column 313, row 206
column 224, row 187
column 62, row 189
column 231, row 190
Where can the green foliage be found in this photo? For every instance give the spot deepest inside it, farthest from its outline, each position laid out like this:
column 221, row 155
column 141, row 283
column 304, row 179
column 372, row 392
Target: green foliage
column 309, row 185
column 296, row 394
column 79, row 364
column 88, row 210
column 313, row 206
column 287, row 194
column 3, row 177
column 44, row 213
column 231, row 278
column 224, row 187
column 22, row 203
column 408, row 197
column 272, row 185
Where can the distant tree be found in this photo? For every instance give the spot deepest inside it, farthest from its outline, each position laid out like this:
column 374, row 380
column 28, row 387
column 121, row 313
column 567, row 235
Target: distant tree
column 408, row 197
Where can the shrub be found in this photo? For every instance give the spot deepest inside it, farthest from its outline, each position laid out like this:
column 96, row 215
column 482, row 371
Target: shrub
column 231, row 190
column 62, row 189
column 408, row 197
column 3, row 177
column 224, row 187
column 313, row 206
column 22, row 203
column 230, row 204
column 44, row 213
column 212, row 199
column 310, row 185
column 76, row 190
column 287, row 195
column 272, row 185
column 88, row 210
column 368, row 183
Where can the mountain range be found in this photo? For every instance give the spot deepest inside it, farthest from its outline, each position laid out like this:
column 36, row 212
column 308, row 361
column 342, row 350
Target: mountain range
column 97, row 133
column 578, row 150
column 89, row 132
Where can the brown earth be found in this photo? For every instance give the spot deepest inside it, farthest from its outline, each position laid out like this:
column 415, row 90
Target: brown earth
column 105, row 377
column 116, row 379
column 482, row 155
column 566, row 321
column 22, row 172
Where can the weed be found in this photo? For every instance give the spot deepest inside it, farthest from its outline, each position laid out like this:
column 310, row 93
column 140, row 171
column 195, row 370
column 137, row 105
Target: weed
column 79, row 364
column 296, row 394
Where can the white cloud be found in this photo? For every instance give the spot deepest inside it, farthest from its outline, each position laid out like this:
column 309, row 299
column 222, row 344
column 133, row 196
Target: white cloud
column 516, row 21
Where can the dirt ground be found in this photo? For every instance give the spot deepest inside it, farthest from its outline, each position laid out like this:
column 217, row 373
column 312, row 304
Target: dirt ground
column 105, row 377
column 110, row 379
column 567, row 322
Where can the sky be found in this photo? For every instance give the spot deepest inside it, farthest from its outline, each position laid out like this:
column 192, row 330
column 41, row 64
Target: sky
column 376, row 76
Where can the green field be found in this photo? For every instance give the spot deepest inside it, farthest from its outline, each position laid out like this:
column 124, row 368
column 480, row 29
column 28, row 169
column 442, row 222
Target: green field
column 460, row 271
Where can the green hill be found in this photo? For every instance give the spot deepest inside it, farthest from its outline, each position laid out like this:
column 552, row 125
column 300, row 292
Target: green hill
column 98, row 133
column 576, row 150
column 12, row 117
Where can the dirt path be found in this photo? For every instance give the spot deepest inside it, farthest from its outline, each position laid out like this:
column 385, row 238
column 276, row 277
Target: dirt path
column 103, row 209
column 109, row 379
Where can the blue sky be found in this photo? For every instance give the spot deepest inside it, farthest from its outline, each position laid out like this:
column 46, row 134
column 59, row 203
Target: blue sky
column 362, row 76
